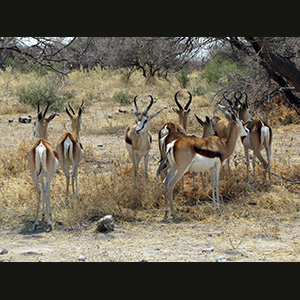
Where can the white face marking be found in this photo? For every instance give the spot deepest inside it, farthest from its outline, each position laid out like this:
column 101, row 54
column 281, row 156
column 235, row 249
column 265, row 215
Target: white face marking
column 142, row 126
column 164, row 131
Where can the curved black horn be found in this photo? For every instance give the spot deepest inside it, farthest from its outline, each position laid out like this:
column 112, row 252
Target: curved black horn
column 199, row 120
column 149, row 106
column 228, row 100
column 80, row 108
column 136, row 106
column 246, row 101
column 177, row 102
column 238, row 98
column 71, row 108
column 44, row 114
column 189, row 102
column 38, row 105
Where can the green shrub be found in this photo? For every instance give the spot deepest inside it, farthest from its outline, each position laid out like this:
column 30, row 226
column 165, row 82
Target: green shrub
column 183, row 77
column 123, row 98
column 33, row 94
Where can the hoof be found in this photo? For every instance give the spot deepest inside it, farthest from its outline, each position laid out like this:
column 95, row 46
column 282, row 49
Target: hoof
column 50, row 228
column 35, row 227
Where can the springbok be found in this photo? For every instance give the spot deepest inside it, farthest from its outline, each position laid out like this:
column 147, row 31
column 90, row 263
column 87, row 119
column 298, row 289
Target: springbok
column 198, row 155
column 259, row 137
column 207, row 132
column 171, row 127
column 70, row 150
column 137, row 137
column 43, row 162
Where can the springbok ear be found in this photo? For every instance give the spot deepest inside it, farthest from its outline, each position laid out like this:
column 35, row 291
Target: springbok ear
column 154, row 115
column 51, row 117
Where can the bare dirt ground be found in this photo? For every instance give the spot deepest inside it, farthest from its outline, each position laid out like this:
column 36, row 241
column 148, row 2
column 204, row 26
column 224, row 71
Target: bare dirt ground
column 166, row 241
column 160, row 240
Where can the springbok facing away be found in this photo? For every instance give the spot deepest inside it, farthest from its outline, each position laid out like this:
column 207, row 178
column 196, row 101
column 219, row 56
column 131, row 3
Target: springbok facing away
column 70, row 150
column 137, row 137
column 43, row 162
column 259, row 137
column 198, row 155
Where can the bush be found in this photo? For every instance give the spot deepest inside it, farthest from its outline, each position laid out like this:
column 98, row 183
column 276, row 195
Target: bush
column 33, row 94
column 123, row 98
column 183, row 77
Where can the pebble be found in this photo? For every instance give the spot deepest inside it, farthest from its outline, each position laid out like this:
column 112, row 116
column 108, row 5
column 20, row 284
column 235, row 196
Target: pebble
column 221, row 258
column 3, row 251
column 208, row 250
column 82, row 258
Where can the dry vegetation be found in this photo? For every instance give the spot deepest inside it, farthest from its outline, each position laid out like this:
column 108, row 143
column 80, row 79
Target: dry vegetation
column 106, row 184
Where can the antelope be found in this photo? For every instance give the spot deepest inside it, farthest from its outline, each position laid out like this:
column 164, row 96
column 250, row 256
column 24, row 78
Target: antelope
column 260, row 136
column 207, row 131
column 138, row 140
column 170, row 127
column 198, row 155
column 221, row 127
column 70, row 150
column 43, row 162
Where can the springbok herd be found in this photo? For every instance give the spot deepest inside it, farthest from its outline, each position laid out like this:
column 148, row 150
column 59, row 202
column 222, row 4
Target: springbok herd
column 179, row 151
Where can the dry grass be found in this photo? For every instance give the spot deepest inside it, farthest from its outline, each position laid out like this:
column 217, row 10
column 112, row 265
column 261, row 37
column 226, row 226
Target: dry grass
column 106, row 184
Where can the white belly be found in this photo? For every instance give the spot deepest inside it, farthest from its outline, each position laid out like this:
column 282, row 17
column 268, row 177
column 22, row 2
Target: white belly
column 202, row 163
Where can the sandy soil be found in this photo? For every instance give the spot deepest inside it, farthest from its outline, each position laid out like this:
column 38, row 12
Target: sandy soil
column 167, row 241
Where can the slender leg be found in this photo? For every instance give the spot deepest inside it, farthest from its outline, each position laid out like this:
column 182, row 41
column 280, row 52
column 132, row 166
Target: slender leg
column 73, row 178
column 67, row 174
column 218, row 168
column 170, row 175
column 269, row 163
column 248, row 163
column 43, row 192
column 146, row 164
column 202, row 180
column 179, row 174
column 212, row 179
column 38, row 198
column 254, row 174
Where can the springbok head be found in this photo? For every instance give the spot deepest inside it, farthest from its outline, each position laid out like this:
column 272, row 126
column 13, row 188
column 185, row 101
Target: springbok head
column 143, row 119
column 182, row 111
column 41, row 124
column 75, row 119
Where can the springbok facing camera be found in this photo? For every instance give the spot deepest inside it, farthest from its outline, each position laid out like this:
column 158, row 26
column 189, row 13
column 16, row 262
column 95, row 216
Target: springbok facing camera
column 43, row 162
column 171, row 127
column 198, row 155
column 137, row 137
column 70, row 150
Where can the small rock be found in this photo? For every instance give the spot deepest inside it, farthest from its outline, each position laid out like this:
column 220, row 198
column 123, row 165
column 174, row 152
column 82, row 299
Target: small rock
column 10, row 120
column 208, row 250
column 100, row 145
column 221, row 258
column 3, row 251
column 82, row 258
column 106, row 224
column 143, row 260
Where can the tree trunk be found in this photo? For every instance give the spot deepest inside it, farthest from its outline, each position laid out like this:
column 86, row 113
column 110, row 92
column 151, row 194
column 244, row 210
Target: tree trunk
column 278, row 67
